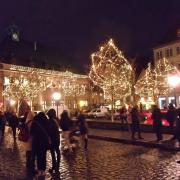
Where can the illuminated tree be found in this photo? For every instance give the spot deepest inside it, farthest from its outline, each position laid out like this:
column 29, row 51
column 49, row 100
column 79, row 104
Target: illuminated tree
column 154, row 82
column 24, row 87
column 71, row 87
column 111, row 72
column 145, row 85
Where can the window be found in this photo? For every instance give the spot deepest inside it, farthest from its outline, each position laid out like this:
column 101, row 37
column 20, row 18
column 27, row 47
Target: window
column 167, row 52
column 178, row 50
column 171, row 52
column 157, row 55
column 162, row 102
column 160, row 55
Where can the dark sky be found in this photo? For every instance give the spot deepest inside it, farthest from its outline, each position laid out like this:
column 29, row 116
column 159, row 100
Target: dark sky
column 78, row 27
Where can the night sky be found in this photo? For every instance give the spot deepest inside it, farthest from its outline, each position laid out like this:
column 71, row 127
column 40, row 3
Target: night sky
column 78, row 27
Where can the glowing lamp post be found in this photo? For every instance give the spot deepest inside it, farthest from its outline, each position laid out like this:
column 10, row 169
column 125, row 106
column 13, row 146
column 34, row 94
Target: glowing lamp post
column 56, row 97
column 174, row 81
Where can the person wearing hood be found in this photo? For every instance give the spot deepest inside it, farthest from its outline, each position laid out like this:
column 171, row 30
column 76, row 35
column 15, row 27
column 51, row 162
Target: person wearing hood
column 41, row 141
column 28, row 145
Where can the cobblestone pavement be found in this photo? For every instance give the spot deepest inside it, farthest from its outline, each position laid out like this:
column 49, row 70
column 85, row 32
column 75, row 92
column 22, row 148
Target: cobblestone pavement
column 102, row 161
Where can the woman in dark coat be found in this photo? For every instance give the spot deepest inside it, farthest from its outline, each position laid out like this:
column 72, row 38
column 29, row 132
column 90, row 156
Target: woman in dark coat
column 13, row 123
column 55, row 139
column 2, row 124
column 157, row 122
column 171, row 116
column 135, row 122
column 40, row 141
column 66, row 124
column 177, row 127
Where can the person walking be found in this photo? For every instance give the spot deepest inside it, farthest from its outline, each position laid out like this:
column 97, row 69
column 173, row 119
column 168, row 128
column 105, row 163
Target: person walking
column 13, row 123
column 177, row 127
column 135, row 126
column 41, row 142
column 66, row 124
column 157, row 122
column 2, row 124
column 123, row 115
column 83, row 127
column 30, row 164
column 55, row 139
column 171, row 116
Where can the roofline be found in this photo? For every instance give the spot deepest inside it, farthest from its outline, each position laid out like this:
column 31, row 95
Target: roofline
column 13, row 67
column 165, row 44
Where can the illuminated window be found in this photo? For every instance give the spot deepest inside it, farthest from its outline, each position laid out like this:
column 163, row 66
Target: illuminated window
column 162, row 102
column 6, row 81
column 171, row 100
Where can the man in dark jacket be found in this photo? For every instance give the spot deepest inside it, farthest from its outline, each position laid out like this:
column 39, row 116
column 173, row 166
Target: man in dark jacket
column 13, row 123
column 135, row 122
column 157, row 122
column 55, row 140
column 2, row 124
column 171, row 116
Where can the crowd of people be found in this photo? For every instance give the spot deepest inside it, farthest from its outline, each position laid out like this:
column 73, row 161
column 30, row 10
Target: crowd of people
column 44, row 135
column 172, row 115
column 44, row 132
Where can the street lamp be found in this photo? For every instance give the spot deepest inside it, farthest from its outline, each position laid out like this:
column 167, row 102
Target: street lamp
column 56, row 97
column 12, row 102
column 174, row 80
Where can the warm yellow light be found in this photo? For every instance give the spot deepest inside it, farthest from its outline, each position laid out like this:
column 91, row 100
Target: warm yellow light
column 142, row 99
column 16, row 81
column 56, row 96
column 174, row 80
column 82, row 103
column 12, row 102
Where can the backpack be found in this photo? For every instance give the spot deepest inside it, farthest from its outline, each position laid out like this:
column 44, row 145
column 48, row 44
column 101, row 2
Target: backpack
column 24, row 133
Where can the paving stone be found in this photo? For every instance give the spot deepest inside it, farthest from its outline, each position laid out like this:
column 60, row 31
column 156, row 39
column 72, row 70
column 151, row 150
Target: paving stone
column 102, row 161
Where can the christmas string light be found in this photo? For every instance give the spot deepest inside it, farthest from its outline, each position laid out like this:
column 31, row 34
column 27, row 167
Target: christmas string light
column 111, row 71
column 154, row 82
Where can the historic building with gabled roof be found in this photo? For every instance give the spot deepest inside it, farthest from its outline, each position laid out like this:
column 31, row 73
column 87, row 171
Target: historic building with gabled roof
column 169, row 49
column 26, row 63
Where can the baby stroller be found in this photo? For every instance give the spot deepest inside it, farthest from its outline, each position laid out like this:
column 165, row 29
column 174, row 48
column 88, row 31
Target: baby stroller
column 72, row 143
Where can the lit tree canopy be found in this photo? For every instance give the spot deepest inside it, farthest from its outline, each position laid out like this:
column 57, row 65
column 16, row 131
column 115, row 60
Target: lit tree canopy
column 162, row 71
column 146, row 84
column 154, row 82
column 25, row 86
column 71, row 87
column 111, row 71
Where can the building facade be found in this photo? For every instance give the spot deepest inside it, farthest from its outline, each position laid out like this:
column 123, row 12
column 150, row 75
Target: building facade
column 36, row 86
column 170, row 51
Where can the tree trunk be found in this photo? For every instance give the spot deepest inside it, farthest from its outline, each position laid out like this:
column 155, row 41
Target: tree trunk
column 112, row 107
